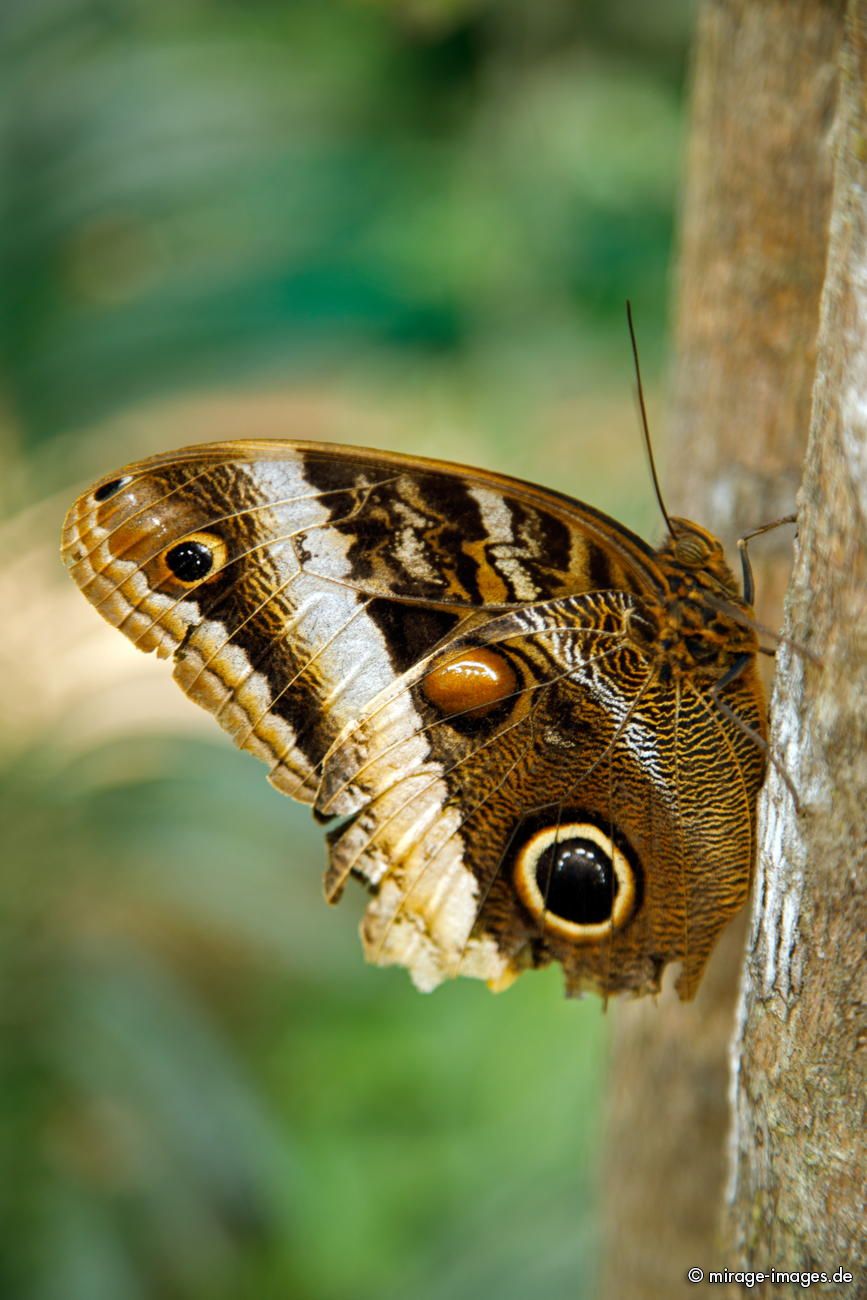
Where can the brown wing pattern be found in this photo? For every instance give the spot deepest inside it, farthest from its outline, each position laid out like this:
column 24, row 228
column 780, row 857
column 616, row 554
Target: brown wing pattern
column 583, row 799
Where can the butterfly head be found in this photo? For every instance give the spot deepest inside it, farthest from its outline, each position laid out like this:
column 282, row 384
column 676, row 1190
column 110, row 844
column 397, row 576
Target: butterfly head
column 702, row 624
column 694, row 550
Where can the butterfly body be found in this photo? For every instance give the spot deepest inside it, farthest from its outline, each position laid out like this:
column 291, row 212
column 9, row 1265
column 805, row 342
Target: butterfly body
column 539, row 733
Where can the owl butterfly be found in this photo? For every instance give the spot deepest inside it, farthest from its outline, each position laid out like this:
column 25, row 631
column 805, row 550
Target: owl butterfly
column 534, row 737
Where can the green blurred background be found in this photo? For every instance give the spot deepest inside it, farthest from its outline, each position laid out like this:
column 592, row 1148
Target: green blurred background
column 410, row 224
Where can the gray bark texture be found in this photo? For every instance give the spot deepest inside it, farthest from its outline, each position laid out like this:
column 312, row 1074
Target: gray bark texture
column 797, row 1197
column 767, row 126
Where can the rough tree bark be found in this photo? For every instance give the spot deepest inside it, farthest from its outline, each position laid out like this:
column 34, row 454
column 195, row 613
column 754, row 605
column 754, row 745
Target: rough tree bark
column 798, row 1190
column 753, row 251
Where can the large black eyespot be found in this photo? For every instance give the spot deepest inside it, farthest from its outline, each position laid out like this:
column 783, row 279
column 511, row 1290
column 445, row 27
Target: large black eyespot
column 106, row 490
column 197, row 557
column 577, row 882
column 576, row 879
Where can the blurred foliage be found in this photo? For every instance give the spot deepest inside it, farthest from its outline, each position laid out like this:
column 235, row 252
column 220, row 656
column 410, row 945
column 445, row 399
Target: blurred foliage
column 294, row 185
column 210, row 1095
column 430, row 208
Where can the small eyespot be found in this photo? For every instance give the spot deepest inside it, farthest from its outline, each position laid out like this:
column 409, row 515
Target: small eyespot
column 107, row 490
column 197, row 558
column 472, row 683
column 576, row 880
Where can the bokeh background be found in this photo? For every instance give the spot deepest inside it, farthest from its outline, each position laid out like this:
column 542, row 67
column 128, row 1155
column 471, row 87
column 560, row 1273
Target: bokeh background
column 410, row 224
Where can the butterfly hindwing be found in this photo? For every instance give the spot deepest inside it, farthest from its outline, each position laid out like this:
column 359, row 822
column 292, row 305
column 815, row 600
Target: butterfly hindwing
column 589, row 750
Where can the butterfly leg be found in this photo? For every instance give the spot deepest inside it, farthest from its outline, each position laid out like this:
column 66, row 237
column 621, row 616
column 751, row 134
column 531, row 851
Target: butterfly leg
column 734, row 671
column 749, row 587
column 743, row 542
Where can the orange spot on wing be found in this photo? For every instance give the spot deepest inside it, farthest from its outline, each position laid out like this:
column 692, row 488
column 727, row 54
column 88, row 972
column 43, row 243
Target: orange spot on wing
column 474, row 682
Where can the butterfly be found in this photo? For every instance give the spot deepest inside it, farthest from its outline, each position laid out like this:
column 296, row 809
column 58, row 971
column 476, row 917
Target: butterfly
column 532, row 736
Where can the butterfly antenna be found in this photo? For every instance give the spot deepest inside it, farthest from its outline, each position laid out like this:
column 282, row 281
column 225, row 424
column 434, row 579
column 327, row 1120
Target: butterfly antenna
column 643, row 410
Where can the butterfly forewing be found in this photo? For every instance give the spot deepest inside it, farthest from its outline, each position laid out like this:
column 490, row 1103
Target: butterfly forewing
column 332, row 570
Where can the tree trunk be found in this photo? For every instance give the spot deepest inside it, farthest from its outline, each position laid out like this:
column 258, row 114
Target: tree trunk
column 754, row 245
column 797, row 1196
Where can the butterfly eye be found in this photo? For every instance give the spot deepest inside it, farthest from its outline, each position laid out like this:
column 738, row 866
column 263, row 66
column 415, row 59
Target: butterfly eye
column 107, row 490
column 472, row 684
column 197, row 558
column 691, row 549
column 576, row 880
